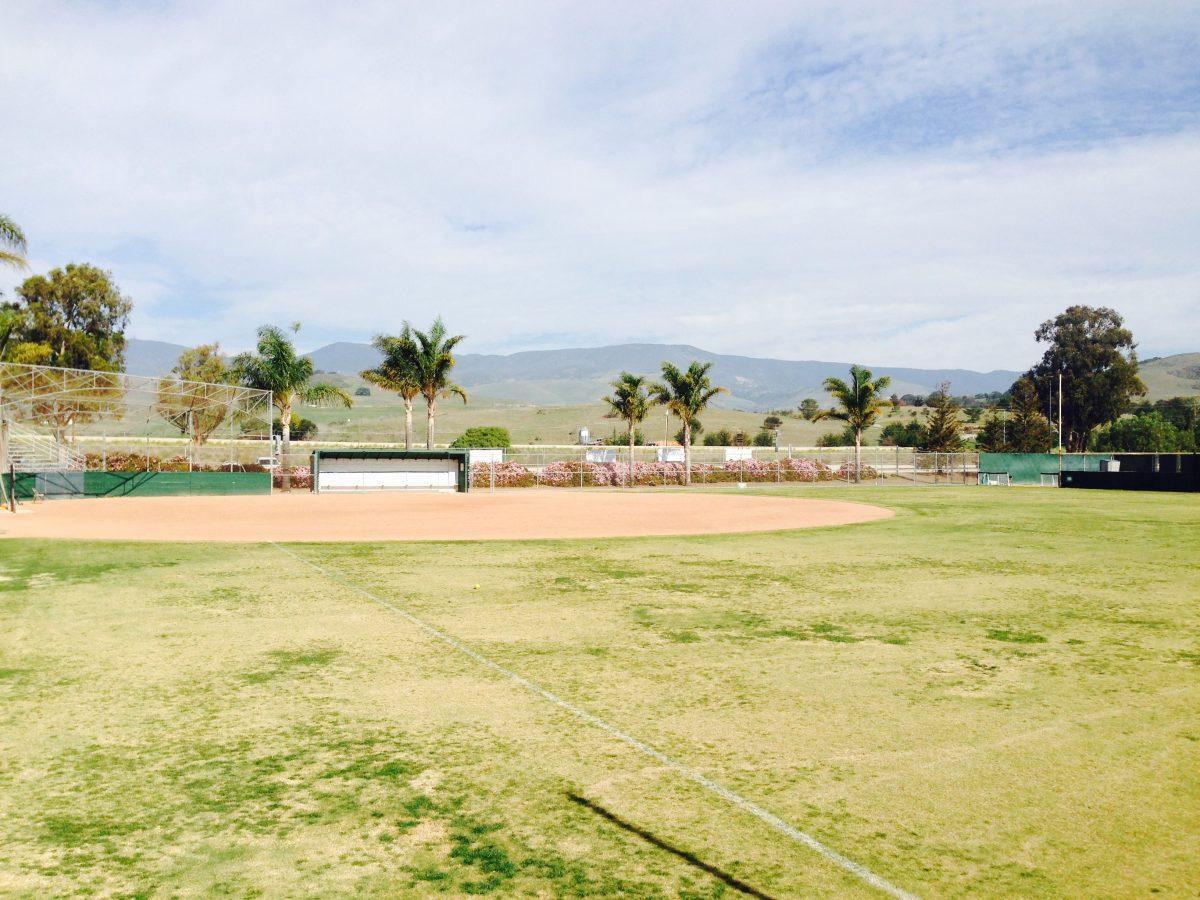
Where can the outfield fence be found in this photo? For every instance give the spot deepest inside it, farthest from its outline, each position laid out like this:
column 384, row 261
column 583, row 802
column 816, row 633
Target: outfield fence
column 609, row 467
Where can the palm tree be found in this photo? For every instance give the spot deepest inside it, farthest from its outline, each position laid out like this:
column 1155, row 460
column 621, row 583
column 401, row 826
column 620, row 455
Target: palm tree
column 433, row 361
column 685, row 395
column 10, row 321
column 630, row 403
column 277, row 368
column 397, row 372
column 861, row 403
column 12, row 244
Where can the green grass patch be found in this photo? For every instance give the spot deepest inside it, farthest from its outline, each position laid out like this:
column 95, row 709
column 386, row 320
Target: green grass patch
column 991, row 694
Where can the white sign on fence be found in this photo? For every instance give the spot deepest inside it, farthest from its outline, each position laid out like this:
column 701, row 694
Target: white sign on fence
column 602, row 455
column 670, row 454
column 487, row 455
column 738, row 453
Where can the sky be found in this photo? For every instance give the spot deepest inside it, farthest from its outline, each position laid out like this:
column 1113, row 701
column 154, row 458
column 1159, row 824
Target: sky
column 916, row 185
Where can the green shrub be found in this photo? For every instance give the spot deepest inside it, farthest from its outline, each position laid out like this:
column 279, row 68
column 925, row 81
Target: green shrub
column 720, row 438
column 302, row 429
column 483, row 436
column 845, row 438
column 903, row 434
column 764, row 439
column 621, row 439
column 1148, row 432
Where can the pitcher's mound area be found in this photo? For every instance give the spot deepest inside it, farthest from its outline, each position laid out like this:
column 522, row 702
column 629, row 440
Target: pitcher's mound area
column 505, row 515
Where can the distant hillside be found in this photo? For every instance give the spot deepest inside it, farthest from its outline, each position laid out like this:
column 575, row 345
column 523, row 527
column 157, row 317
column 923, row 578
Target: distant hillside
column 1172, row 376
column 344, row 356
column 558, row 377
column 551, row 377
column 150, row 357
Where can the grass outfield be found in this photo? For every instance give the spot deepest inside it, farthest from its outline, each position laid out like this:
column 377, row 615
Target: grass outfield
column 993, row 693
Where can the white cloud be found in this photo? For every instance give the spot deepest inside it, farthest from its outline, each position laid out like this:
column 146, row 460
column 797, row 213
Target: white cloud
column 842, row 183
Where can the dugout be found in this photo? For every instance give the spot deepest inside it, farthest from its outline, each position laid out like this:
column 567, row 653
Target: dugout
column 391, row 470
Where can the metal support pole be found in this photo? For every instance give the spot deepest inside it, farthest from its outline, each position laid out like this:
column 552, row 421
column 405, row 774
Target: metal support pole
column 1060, row 444
column 7, row 494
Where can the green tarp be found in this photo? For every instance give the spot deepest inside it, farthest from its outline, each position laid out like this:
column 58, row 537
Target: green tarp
column 1028, row 468
column 140, row 484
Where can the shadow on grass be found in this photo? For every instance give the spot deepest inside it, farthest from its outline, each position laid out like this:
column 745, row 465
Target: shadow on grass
column 650, row 838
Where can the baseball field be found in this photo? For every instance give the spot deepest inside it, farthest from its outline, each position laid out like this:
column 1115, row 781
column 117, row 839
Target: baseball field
column 991, row 692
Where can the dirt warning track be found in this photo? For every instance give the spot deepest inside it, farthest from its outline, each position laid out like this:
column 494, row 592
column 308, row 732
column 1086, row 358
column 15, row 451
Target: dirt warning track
column 504, row 515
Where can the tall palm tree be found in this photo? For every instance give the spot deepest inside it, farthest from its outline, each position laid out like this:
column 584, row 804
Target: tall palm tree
column 397, row 372
column 861, row 401
column 685, row 395
column 631, row 404
column 276, row 367
column 433, row 361
column 12, row 244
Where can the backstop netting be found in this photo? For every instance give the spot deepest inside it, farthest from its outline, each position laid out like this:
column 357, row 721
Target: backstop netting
column 58, row 423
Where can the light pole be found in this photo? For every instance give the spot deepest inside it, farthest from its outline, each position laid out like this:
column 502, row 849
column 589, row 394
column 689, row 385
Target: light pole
column 1060, row 443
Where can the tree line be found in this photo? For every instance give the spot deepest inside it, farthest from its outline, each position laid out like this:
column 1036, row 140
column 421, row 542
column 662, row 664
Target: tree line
column 75, row 317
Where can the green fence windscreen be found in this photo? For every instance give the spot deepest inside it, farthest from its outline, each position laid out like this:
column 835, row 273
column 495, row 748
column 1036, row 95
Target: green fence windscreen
column 1028, row 468
column 140, row 484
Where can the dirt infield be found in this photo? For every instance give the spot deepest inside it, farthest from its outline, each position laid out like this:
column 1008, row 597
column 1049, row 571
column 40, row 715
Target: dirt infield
column 505, row 515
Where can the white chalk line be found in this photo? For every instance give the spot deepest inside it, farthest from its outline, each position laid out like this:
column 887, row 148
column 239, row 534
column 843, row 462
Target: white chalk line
column 858, row 870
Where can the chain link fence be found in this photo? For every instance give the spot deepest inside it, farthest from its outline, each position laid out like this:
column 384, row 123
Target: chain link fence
column 609, row 466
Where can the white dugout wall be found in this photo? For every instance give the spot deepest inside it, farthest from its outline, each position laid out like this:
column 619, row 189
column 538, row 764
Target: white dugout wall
column 389, row 471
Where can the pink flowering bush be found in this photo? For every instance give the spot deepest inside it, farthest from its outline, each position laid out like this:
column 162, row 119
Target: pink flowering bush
column 847, row 472
column 508, row 474
column 790, row 469
column 301, row 477
column 120, row 461
column 574, row 473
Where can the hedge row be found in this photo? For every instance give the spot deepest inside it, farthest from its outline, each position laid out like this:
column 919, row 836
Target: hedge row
column 612, row 474
column 139, row 462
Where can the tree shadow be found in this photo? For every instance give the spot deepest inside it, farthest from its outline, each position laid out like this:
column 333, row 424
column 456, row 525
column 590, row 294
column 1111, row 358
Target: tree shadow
column 690, row 858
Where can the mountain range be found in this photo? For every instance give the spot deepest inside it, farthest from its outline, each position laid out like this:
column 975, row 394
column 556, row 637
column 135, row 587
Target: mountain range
column 582, row 375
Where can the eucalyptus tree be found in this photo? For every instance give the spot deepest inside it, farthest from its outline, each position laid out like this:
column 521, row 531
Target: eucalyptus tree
column 433, row 362
column 276, row 367
column 73, row 317
column 685, row 394
column 398, row 372
column 197, row 413
column 630, row 403
column 860, row 401
column 1089, row 370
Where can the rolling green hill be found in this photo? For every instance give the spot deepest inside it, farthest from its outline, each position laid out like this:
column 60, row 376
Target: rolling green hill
column 1172, row 376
